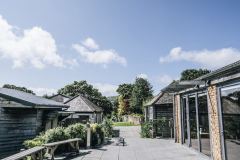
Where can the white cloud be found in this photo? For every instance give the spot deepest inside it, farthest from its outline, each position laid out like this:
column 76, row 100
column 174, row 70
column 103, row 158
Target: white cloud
column 90, row 43
column 142, row 75
column 207, row 58
column 106, row 89
column 90, row 53
column 164, row 79
column 42, row 91
column 33, row 46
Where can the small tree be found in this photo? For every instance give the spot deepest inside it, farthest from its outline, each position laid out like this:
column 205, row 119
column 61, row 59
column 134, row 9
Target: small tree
column 142, row 91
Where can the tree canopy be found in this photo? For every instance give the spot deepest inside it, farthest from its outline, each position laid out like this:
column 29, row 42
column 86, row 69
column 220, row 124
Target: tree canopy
column 125, row 90
column 24, row 89
column 191, row 74
column 142, row 91
column 88, row 91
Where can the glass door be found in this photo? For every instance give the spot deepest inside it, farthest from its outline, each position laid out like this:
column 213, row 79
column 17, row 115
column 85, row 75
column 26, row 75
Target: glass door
column 204, row 125
column 230, row 98
column 184, row 121
column 193, row 123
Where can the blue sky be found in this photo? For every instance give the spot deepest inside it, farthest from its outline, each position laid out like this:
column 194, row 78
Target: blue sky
column 45, row 45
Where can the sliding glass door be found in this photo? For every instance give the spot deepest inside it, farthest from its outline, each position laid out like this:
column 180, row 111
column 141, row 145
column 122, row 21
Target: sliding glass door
column 230, row 98
column 195, row 122
column 204, row 125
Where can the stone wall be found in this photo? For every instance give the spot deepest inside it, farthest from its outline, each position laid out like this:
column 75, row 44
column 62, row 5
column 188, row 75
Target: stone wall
column 177, row 117
column 214, row 123
column 136, row 120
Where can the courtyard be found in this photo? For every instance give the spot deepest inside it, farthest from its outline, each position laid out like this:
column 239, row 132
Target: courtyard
column 140, row 149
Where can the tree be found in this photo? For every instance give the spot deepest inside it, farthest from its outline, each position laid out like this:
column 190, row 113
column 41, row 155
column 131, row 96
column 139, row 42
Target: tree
column 88, row 91
column 125, row 90
column 142, row 91
column 24, row 89
column 191, row 74
column 121, row 106
column 125, row 93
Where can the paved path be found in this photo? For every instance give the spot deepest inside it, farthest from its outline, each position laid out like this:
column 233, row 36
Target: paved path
column 141, row 149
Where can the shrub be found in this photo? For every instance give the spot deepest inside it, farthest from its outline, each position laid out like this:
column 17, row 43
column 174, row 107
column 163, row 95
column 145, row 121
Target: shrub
column 146, row 129
column 107, row 127
column 77, row 130
column 38, row 141
column 55, row 134
column 97, row 134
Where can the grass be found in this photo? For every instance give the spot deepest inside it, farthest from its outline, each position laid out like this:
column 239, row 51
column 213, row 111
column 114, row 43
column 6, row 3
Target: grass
column 123, row 124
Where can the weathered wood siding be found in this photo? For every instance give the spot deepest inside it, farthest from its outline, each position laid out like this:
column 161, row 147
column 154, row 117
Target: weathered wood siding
column 17, row 125
column 164, row 111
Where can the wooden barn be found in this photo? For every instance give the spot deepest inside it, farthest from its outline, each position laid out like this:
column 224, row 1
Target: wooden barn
column 83, row 111
column 22, row 117
column 159, row 110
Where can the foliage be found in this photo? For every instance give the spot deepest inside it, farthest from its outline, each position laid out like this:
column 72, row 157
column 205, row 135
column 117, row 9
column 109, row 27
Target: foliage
column 18, row 88
column 142, row 91
column 123, row 124
column 77, row 130
column 88, row 91
column 125, row 90
column 55, row 134
column 97, row 134
column 38, row 141
column 137, row 115
column 125, row 93
column 164, row 126
column 191, row 74
column 107, row 125
column 146, row 129
column 122, row 106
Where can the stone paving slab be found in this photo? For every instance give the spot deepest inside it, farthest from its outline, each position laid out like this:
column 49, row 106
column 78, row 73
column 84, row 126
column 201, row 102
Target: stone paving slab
column 141, row 149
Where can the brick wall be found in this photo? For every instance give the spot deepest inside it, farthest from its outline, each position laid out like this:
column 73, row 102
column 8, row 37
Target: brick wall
column 214, row 123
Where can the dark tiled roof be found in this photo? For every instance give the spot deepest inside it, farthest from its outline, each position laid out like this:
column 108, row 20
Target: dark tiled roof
column 60, row 98
column 161, row 98
column 82, row 104
column 28, row 99
column 221, row 72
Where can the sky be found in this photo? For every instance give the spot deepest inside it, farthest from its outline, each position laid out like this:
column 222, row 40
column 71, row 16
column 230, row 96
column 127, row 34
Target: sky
column 45, row 45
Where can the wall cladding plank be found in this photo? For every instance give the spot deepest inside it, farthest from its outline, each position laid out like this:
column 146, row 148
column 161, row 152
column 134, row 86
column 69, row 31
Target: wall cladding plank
column 17, row 125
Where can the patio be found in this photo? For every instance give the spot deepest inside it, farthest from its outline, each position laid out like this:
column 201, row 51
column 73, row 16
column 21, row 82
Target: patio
column 141, row 149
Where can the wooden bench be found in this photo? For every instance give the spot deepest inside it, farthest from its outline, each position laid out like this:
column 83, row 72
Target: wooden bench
column 51, row 147
column 36, row 153
column 121, row 140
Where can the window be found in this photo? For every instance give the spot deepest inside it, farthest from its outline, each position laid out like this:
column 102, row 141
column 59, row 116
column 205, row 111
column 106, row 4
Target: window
column 230, row 98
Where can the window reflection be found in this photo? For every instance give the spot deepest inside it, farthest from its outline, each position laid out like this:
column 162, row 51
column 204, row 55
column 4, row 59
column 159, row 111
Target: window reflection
column 193, row 123
column 185, row 122
column 231, row 121
column 204, row 125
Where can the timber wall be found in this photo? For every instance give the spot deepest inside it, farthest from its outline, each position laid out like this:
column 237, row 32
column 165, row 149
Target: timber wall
column 17, row 125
